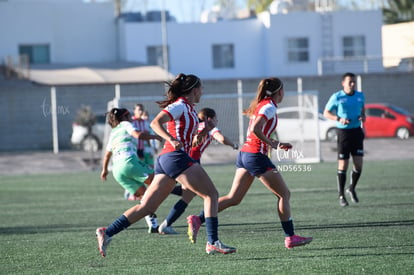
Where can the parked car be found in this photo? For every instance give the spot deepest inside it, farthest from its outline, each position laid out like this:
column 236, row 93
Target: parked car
column 386, row 120
column 89, row 142
column 289, row 125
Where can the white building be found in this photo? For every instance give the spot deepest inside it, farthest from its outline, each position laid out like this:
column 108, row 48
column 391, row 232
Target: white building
column 292, row 44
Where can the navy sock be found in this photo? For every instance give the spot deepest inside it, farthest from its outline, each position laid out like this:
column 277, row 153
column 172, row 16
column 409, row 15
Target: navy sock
column 202, row 217
column 117, row 226
column 176, row 211
column 288, row 228
column 341, row 178
column 212, row 229
column 177, row 190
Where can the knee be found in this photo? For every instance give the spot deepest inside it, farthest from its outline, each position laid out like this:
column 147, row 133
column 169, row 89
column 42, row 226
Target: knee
column 285, row 195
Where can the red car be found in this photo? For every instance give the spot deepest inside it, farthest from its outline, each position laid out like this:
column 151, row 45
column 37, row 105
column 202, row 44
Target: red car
column 385, row 120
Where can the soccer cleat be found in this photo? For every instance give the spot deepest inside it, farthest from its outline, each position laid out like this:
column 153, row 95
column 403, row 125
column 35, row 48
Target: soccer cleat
column 103, row 240
column 194, row 224
column 342, row 201
column 152, row 223
column 166, row 230
column 219, row 247
column 353, row 195
column 295, row 240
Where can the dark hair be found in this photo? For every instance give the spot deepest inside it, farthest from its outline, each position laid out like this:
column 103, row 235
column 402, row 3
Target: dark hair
column 116, row 115
column 205, row 113
column 182, row 85
column 345, row 75
column 141, row 106
column 267, row 87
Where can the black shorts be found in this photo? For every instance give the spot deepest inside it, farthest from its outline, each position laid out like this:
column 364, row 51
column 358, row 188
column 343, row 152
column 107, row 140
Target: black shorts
column 350, row 142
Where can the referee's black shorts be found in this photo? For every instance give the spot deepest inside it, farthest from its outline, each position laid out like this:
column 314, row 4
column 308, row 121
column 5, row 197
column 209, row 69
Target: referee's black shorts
column 350, row 142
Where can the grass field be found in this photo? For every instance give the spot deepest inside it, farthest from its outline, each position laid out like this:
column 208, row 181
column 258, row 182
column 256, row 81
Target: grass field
column 48, row 226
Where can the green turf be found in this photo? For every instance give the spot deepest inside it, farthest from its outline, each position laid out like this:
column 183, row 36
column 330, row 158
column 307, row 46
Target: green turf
column 48, row 223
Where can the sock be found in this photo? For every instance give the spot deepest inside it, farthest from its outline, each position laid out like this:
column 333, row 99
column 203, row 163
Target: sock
column 117, row 226
column 177, row 190
column 176, row 211
column 212, row 229
column 341, row 179
column 354, row 178
column 202, row 217
column 288, row 227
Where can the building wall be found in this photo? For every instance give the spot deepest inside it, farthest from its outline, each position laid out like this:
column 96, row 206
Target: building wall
column 260, row 43
column 76, row 32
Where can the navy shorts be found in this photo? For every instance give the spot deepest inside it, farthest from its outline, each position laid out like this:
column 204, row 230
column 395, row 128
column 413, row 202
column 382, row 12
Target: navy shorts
column 173, row 164
column 255, row 163
column 350, row 142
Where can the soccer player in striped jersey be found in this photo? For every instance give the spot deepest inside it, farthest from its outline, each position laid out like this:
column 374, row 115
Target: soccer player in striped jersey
column 253, row 162
column 208, row 122
column 176, row 124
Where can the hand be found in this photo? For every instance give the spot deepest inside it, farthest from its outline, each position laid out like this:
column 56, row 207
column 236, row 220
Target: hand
column 104, row 173
column 176, row 144
column 344, row 121
column 285, row 146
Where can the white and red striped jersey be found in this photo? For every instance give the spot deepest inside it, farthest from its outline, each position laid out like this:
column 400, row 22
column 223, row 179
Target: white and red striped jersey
column 182, row 126
column 266, row 108
column 141, row 126
column 198, row 150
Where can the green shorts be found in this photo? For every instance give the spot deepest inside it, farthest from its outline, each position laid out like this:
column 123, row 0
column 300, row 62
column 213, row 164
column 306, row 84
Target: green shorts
column 131, row 173
column 149, row 159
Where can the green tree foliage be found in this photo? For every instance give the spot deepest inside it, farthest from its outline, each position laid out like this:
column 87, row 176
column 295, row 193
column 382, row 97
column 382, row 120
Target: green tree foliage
column 398, row 11
column 259, row 5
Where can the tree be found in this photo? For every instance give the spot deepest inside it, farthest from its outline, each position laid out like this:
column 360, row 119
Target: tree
column 398, row 11
column 259, row 5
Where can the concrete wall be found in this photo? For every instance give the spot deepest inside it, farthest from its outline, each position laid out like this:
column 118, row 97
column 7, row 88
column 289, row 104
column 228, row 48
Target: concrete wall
column 26, row 119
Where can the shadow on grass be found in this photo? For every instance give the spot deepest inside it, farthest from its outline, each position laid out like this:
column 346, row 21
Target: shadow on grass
column 263, row 226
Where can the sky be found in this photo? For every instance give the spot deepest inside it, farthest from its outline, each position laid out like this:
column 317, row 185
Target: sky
column 190, row 10
column 182, row 10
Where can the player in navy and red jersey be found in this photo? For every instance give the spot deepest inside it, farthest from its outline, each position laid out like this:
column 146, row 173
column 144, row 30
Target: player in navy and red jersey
column 207, row 132
column 174, row 164
column 253, row 161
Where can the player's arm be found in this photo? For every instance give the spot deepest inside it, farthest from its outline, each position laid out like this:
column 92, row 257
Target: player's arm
column 362, row 118
column 330, row 115
column 158, row 128
column 257, row 127
column 105, row 163
column 145, row 135
column 225, row 140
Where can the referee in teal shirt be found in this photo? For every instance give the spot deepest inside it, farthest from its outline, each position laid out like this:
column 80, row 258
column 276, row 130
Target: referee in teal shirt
column 347, row 108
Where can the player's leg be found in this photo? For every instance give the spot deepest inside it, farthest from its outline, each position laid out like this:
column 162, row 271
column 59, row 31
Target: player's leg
column 241, row 184
column 176, row 211
column 197, row 180
column 156, row 193
column 274, row 181
column 357, row 157
column 344, row 148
